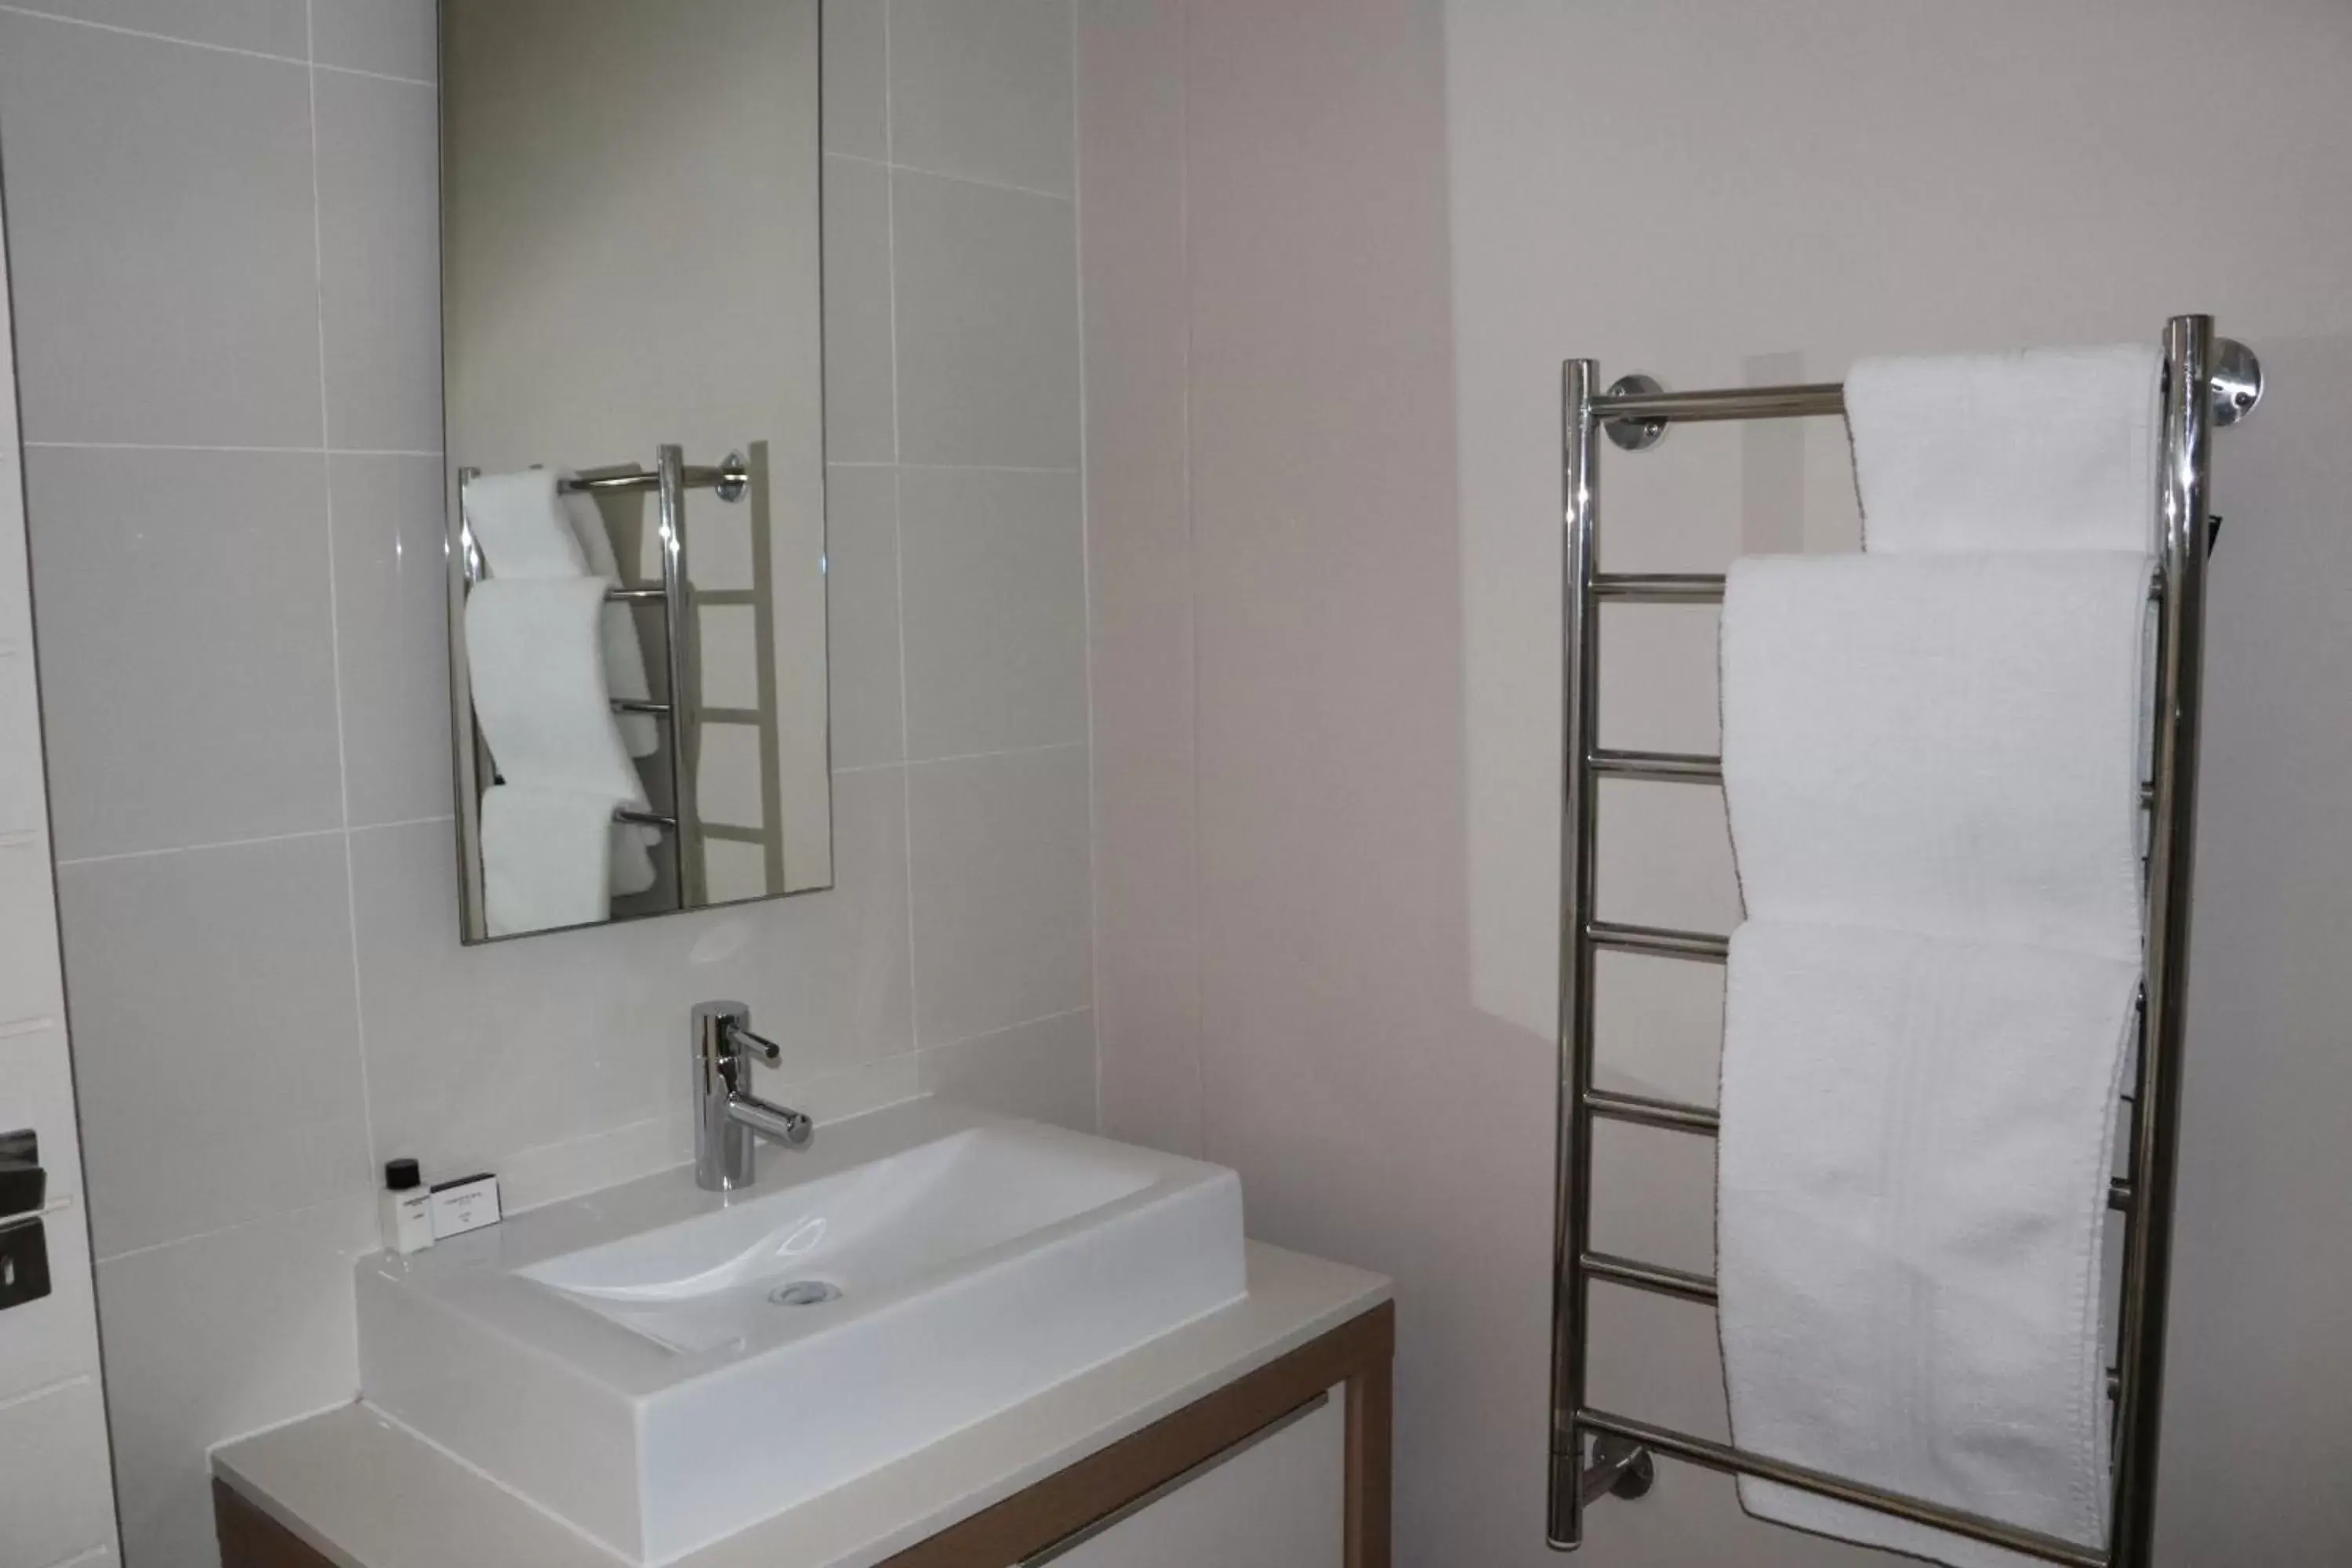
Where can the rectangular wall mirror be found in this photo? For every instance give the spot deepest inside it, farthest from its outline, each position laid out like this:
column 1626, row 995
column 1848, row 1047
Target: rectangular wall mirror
column 634, row 366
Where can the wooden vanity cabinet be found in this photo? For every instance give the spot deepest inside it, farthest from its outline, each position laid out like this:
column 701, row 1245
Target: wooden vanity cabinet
column 1287, row 1466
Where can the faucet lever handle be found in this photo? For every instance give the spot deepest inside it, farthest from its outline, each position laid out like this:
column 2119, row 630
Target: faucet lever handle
column 760, row 1046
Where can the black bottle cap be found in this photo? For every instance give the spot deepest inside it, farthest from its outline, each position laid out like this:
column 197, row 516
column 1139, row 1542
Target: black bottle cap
column 400, row 1175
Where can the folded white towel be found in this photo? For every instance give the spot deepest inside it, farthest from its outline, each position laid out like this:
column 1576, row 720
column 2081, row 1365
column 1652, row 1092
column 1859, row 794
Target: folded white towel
column 1938, row 743
column 546, row 860
column 2049, row 449
column 534, row 651
column 624, row 656
column 520, row 524
column 1913, row 1167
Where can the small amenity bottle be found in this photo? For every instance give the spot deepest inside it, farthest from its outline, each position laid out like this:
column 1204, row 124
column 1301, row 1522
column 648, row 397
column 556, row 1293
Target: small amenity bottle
column 407, row 1208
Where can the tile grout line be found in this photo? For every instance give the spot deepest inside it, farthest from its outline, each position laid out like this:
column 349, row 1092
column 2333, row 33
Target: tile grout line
column 892, row 163
column 1086, row 566
column 961, row 757
column 66, row 862
column 1191, row 586
column 962, row 1040
column 251, row 1222
column 46, row 1391
column 357, row 827
column 898, row 518
column 182, row 447
column 956, row 468
column 311, row 63
column 334, row 614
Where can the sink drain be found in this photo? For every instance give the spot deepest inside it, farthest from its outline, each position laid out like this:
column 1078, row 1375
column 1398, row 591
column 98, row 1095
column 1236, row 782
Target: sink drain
column 805, row 1293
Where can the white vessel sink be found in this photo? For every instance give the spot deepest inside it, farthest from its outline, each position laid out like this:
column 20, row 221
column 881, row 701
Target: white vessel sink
column 661, row 1366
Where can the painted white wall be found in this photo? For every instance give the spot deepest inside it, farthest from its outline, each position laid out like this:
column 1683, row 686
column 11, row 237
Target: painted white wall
column 57, row 1495
column 1335, row 254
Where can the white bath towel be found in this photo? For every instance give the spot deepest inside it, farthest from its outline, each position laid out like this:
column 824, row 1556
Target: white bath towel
column 1940, row 744
column 624, row 656
column 545, row 858
column 2048, row 449
column 1931, row 767
column 1915, row 1154
column 522, row 527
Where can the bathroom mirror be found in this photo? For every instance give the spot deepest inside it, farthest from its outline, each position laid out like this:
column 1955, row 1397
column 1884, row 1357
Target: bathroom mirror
column 632, row 359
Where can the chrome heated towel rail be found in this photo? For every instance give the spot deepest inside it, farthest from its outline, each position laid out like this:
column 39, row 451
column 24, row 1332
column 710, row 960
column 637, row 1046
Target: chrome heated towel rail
column 2209, row 381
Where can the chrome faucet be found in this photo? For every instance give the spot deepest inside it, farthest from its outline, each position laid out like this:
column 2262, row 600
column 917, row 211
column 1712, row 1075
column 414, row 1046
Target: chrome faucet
column 727, row 1116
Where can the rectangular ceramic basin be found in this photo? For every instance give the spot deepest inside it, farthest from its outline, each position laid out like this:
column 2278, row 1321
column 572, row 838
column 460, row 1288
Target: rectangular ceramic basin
column 661, row 1366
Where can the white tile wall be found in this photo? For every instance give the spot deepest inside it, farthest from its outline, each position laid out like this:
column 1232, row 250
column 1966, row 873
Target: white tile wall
column 232, row 417
column 57, row 1502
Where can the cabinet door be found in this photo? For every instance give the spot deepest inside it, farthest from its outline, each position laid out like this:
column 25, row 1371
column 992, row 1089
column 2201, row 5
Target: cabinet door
column 1277, row 1502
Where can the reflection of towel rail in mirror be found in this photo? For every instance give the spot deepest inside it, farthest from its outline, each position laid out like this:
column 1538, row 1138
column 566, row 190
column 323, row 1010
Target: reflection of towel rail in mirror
column 732, row 481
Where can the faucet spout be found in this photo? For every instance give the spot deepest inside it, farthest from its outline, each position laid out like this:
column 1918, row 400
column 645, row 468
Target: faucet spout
column 728, row 1118
column 777, row 1123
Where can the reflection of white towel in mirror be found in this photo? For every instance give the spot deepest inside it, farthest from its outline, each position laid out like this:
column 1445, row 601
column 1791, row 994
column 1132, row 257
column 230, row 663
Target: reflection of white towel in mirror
column 546, row 858
column 520, row 526
column 535, row 660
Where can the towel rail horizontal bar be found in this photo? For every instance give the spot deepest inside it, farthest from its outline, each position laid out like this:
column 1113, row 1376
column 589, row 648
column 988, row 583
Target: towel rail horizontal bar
column 634, row 595
column 645, row 818
column 1660, row 1280
column 1654, row 1277
column 1722, row 1457
column 1663, row 767
column 1660, row 587
column 734, row 477
column 1657, row 941
column 640, row 705
column 1679, row 1116
column 1800, row 402
column 1698, row 767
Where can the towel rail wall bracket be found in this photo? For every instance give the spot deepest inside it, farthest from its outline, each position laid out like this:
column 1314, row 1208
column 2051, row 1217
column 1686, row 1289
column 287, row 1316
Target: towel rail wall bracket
column 2209, row 382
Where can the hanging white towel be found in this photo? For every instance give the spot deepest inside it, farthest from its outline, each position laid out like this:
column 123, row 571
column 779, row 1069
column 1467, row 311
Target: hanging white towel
column 2047, row 449
column 1916, row 1140
column 624, row 656
column 546, row 861
column 520, row 524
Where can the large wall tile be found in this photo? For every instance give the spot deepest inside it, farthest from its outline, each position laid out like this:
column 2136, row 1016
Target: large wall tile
column 210, row 1339
column 860, row 415
column 861, row 584
column 995, row 578
column 161, row 215
column 1002, row 931
column 53, row 1447
column 477, row 1053
column 214, row 1036
column 1045, row 1071
column 391, row 623
column 394, row 37
column 380, row 266
column 186, row 646
column 857, row 86
column 265, row 26
column 984, row 90
column 988, row 324
column 30, row 989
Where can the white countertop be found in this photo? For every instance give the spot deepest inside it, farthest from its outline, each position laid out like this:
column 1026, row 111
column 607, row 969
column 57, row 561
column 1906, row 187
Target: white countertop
column 366, row 1493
